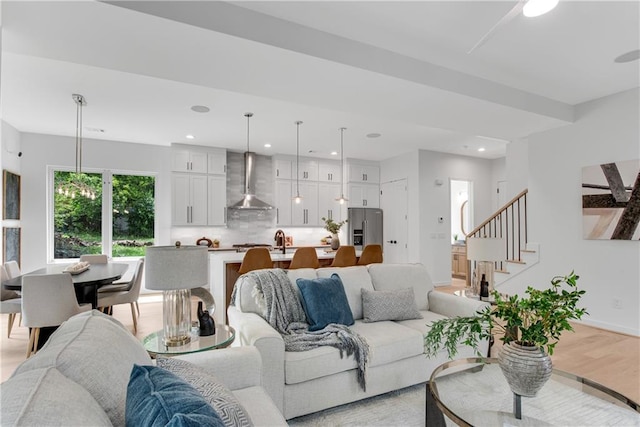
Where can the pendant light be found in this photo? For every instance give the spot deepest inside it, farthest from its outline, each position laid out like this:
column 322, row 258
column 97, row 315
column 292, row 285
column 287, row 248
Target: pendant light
column 297, row 198
column 342, row 199
column 76, row 183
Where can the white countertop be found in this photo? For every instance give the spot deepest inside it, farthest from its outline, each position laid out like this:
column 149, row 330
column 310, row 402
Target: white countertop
column 234, row 257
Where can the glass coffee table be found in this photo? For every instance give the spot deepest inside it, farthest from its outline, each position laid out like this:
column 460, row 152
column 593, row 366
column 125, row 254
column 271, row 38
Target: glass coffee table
column 472, row 393
column 223, row 337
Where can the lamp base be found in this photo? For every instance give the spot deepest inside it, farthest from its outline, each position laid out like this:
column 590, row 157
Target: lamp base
column 176, row 317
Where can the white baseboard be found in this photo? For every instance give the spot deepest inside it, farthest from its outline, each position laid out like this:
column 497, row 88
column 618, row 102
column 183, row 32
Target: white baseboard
column 611, row 327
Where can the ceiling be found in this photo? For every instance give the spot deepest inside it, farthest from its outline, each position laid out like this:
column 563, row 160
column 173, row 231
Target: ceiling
column 400, row 69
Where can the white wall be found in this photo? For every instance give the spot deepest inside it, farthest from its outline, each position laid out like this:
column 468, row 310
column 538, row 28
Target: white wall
column 606, row 130
column 41, row 151
column 429, row 241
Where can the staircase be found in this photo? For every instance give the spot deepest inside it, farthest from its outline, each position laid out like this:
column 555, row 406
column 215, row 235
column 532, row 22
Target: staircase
column 510, row 223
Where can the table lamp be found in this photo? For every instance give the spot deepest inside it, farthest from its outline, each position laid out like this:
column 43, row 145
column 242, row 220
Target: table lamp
column 485, row 251
column 175, row 270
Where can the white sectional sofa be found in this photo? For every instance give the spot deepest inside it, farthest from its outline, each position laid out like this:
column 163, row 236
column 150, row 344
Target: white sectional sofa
column 80, row 377
column 304, row 382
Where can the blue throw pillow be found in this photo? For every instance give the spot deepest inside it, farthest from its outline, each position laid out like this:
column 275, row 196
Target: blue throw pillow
column 325, row 301
column 156, row 397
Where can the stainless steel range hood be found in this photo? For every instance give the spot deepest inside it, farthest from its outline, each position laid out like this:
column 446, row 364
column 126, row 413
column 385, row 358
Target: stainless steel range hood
column 250, row 201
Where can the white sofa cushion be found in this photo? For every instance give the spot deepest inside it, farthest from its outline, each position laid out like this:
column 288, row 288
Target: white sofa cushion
column 92, row 350
column 389, row 341
column 422, row 325
column 354, row 280
column 246, row 301
column 41, row 397
column 300, row 366
column 387, row 277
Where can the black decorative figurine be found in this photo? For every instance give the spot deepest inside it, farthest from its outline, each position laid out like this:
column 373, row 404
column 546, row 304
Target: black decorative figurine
column 207, row 325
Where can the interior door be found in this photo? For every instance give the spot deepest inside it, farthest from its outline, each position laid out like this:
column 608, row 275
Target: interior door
column 393, row 201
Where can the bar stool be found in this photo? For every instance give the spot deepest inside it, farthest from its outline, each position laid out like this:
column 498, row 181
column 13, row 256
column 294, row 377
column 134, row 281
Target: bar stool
column 345, row 257
column 255, row 259
column 304, row 258
column 371, row 254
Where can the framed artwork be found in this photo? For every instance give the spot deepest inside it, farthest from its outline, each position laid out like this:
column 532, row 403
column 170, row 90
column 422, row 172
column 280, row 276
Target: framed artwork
column 11, row 192
column 611, row 201
column 11, row 244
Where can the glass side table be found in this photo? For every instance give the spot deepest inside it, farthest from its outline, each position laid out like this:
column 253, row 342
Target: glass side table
column 472, row 393
column 223, row 337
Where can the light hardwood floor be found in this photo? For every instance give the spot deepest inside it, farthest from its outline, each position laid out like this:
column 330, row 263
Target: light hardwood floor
column 608, row 358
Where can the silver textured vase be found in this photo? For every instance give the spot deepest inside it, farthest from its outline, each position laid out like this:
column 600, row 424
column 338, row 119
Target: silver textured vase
column 335, row 241
column 526, row 368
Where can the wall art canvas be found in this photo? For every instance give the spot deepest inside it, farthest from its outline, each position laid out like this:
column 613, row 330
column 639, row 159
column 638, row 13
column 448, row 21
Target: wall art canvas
column 11, row 194
column 11, row 244
column 611, row 201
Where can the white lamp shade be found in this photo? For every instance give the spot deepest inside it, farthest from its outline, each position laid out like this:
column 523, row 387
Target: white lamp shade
column 486, row 249
column 170, row 267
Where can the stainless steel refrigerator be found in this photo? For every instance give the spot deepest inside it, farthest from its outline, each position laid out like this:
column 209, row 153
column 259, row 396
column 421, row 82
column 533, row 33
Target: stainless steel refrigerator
column 365, row 227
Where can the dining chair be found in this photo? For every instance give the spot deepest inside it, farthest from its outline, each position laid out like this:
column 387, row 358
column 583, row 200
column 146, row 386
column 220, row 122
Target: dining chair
column 345, row 257
column 371, row 254
column 47, row 300
column 256, row 259
column 94, row 258
column 304, row 258
column 130, row 296
column 119, row 286
column 13, row 269
column 10, row 302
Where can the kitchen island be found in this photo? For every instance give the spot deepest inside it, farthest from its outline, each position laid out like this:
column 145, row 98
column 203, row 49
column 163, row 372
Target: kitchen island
column 224, row 266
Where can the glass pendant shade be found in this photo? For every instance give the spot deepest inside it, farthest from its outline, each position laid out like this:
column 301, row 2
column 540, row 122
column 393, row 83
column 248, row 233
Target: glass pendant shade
column 535, row 8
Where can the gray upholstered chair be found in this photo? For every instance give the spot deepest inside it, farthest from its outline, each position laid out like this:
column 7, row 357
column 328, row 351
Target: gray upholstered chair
column 10, row 302
column 94, row 259
column 47, row 300
column 130, row 296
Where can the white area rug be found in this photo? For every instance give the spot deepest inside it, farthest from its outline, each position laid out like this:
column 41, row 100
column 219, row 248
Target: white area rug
column 405, row 407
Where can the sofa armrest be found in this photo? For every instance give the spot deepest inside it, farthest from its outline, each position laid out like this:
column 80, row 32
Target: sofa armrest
column 453, row 306
column 253, row 330
column 236, row 367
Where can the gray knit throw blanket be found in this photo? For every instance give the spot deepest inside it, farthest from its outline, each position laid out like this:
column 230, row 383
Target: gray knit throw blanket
column 280, row 302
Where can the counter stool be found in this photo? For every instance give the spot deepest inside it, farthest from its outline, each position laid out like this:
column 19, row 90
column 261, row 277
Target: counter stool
column 371, row 254
column 256, row 259
column 345, row 257
column 304, row 258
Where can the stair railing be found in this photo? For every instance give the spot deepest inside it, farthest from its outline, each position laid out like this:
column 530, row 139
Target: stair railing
column 508, row 222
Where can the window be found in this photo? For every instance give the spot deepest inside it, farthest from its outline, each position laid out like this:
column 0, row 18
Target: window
column 102, row 212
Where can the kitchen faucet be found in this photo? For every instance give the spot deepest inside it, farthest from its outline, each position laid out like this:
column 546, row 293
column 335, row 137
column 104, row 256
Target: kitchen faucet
column 280, row 240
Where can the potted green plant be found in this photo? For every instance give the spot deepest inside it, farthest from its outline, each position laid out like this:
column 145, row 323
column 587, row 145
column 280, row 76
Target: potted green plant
column 334, row 228
column 531, row 328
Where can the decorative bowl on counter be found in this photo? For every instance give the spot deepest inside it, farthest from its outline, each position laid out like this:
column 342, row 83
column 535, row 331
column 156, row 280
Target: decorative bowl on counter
column 205, row 242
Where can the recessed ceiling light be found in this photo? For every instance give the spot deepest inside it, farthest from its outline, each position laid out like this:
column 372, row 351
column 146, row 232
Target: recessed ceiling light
column 94, row 129
column 334, row 153
column 190, row 137
column 481, row 149
column 200, row 109
column 631, row 56
column 374, row 135
column 267, row 145
column 535, row 8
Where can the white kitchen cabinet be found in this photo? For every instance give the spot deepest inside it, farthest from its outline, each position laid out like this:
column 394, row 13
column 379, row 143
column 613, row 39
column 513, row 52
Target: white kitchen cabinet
column 189, row 161
column 328, row 207
column 283, row 202
column 329, row 172
column 217, row 161
column 189, row 199
column 305, row 212
column 282, row 168
column 308, row 170
column 364, row 173
column 364, row 195
column 217, row 200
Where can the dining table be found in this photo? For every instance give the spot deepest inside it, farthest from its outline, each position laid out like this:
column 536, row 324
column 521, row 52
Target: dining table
column 86, row 283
